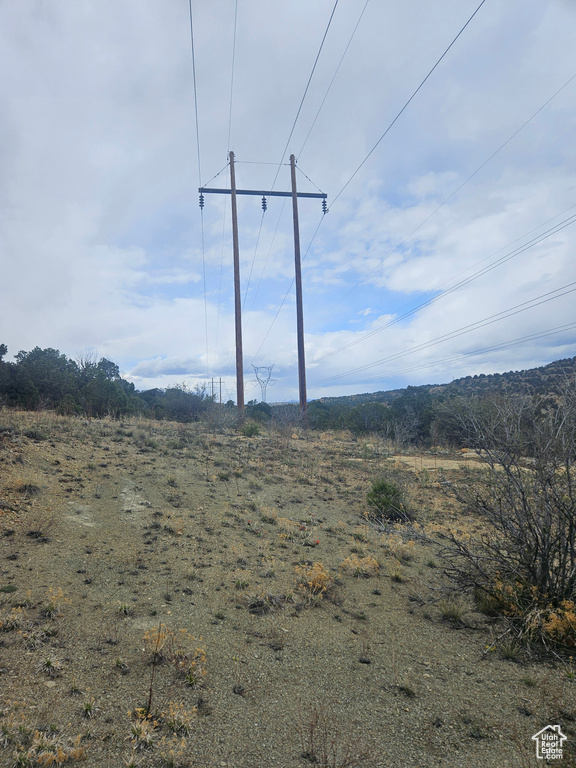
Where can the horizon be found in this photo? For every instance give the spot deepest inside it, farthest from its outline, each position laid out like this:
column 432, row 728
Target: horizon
column 442, row 137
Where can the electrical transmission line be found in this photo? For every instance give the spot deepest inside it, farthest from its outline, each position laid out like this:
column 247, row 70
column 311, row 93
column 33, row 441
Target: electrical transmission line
column 232, row 74
column 515, row 310
column 503, row 259
column 200, row 181
column 333, row 77
column 453, row 193
column 516, row 252
column 263, row 375
column 407, row 103
column 306, row 91
column 279, row 165
column 472, row 353
column 377, row 143
column 285, row 295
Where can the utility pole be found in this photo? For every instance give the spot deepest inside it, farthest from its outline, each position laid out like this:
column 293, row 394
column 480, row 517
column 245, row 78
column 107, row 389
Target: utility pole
column 294, row 194
column 237, row 296
column 299, row 307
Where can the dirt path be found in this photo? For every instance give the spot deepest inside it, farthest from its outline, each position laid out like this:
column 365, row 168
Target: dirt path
column 150, row 525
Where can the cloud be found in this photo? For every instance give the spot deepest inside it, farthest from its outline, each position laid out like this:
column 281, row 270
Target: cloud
column 104, row 245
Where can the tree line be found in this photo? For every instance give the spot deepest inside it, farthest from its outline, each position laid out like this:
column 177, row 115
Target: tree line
column 47, row 379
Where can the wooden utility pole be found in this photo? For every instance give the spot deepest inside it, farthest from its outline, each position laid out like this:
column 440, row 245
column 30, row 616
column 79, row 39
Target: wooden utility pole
column 299, row 308
column 233, row 192
column 237, row 296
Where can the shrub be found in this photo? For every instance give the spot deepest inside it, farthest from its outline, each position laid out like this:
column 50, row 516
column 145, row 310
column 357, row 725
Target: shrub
column 179, row 648
column 452, row 609
column 315, row 580
column 360, row 566
column 386, row 501
column 250, row 429
column 178, row 719
column 142, row 730
column 523, row 564
column 326, row 742
column 55, row 602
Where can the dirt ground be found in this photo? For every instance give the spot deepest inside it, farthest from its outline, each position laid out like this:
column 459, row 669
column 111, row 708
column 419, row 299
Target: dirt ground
column 180, row 570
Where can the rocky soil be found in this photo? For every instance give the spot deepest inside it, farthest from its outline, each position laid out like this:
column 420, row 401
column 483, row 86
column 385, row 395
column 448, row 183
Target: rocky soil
column 232, row 588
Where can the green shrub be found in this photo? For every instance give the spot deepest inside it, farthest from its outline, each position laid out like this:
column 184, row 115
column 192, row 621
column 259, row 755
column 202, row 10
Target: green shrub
column 250, row 429
column 386, row 501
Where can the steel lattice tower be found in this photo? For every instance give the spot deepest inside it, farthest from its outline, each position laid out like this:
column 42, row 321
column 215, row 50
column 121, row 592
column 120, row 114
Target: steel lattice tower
column 263, row 374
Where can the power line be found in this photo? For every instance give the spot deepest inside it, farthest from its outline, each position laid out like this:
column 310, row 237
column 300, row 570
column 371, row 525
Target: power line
column 407, row 103
column 385, row 133
column 517, row 309
column 270, row 248
column 268, row 254
column 285, row 295
column 195, row 88
column 279, row 165
column 306, row 89
column 503, row 259
column 253, row 260
column 226, row 167
column 221, row 268
column 200, row 181
column 472, row 353
column 333, row 77
column 452, row 194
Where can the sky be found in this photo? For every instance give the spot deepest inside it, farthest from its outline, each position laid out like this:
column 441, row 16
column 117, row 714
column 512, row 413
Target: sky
column 448, row 160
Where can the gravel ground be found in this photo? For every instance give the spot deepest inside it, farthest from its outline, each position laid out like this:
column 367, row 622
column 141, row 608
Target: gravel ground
column 111, row 530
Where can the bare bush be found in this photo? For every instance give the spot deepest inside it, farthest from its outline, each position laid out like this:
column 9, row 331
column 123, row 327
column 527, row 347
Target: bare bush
column 324, row 742
column 525, row 558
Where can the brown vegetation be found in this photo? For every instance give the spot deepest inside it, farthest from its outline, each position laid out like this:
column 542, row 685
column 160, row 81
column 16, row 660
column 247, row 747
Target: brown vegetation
column 175, row 596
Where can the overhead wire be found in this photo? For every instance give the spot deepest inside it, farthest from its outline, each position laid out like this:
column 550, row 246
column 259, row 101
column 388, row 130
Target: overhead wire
column 272, row 243
column 471, row 353
column 452, row 194
column 482, row 350
column 232, row 68
column 232, row 75
column 279, row 165
column 480, row 273
column 253, row 261
column 282, row 206
column 389, row 126
column 365, row 159
column 306, row 90
column 225, row 168
column 200, row 184
column 285, row 297
column 333, row 77
column 395, row 120
column 497, row 317
column 507, row 257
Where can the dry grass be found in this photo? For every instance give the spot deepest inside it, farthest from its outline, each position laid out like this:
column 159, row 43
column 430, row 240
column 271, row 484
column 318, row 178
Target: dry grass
column 155, row 534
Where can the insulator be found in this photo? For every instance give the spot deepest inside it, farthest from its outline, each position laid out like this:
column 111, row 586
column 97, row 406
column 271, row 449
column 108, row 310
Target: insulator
column 324, row 206
column 264, row 203
column 201, row 201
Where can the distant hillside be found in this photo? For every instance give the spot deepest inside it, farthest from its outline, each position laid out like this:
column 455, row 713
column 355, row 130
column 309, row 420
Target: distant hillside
column 545, row 379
